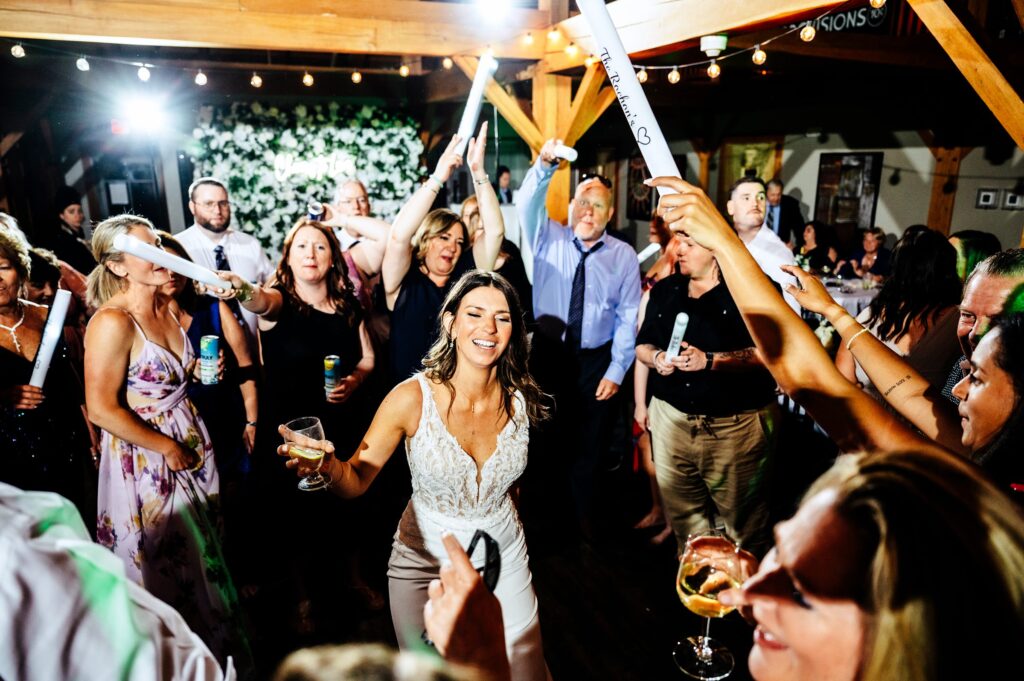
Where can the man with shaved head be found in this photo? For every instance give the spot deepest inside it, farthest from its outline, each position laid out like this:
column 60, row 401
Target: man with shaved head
column 586, row 291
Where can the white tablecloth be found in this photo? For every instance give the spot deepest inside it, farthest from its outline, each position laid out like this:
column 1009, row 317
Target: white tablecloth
column 854, row 301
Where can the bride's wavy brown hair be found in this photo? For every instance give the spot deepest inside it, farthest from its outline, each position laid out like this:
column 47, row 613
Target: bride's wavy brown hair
column 513, row 370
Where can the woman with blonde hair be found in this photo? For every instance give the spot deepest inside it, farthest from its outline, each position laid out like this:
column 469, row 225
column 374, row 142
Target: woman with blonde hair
column 427, row 252
column 158, row 488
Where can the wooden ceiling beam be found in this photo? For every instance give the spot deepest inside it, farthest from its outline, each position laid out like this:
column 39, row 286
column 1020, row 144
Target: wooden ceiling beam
column 647, row 25
column 399, row 27
column 964, row 42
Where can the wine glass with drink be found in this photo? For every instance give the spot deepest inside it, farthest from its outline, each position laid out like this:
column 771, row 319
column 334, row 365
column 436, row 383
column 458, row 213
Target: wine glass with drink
column 710, row 564
column 305, row 437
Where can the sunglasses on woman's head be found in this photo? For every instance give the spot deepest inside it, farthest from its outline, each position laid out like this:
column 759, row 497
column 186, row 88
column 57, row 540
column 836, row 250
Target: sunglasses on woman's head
column 586, row 177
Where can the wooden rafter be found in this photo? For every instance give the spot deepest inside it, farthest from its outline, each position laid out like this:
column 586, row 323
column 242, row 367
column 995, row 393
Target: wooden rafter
column 507, row 106
column 646, row 25
column 961, row 39
column 399, row 27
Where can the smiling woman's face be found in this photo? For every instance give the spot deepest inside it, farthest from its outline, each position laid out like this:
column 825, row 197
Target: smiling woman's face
column 809, row 628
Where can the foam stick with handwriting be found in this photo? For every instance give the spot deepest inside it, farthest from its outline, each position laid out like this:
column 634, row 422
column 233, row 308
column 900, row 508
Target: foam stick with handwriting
column 158, row 256
column 487, row 66
column 52, row 333
column 631, row 96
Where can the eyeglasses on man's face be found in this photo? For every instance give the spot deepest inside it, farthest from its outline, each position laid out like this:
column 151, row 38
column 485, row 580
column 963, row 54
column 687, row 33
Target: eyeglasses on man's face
column 210, row 205
column 355, row 201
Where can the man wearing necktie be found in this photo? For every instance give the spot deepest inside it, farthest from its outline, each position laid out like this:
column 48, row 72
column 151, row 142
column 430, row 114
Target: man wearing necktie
column 586, row 292
column 212, row 242
column 782, row 213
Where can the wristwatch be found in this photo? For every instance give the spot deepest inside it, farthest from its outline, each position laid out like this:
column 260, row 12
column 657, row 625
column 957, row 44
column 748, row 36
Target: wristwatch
column 710, row 358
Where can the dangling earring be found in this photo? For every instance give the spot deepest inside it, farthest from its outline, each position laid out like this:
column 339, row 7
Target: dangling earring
column 451, row 342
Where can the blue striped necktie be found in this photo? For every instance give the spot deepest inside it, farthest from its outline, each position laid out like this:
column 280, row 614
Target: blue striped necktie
column 574, row 323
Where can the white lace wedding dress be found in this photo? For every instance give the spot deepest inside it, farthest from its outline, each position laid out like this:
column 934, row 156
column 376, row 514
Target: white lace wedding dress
column 447, row 496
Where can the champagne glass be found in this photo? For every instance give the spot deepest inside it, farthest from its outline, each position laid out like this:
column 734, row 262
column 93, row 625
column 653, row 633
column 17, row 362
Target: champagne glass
column 305, row 437
column 709, row 565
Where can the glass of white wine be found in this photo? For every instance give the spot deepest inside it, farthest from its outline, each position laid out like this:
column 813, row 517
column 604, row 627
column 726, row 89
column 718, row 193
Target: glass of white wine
column 709, row 564
column 304, row 437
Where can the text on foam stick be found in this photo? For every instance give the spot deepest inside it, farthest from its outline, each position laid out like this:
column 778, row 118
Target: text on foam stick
column 627, row 88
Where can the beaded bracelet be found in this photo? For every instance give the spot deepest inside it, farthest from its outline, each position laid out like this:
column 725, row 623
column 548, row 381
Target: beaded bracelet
column 854, row 337
column 484, row 180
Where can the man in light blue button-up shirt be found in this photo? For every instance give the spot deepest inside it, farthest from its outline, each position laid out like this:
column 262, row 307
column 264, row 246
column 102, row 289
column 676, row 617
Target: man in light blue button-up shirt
column 583, row 365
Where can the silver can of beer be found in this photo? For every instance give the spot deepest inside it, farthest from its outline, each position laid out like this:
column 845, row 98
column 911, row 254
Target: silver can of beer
column 315, row 210
column 209, row 353
column 331, row 366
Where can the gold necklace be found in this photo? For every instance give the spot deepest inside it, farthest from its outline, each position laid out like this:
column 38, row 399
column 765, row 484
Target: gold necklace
column 14, row 329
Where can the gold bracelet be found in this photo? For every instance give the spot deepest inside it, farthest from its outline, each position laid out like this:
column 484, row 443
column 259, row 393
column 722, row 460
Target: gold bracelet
column 850, row 342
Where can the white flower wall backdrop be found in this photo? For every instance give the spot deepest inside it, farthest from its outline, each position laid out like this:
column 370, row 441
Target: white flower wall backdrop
column 275, row 159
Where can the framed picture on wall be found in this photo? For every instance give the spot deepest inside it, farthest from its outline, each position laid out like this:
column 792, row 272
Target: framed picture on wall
column 641, row 199
column 847, row 193
column 748, row 157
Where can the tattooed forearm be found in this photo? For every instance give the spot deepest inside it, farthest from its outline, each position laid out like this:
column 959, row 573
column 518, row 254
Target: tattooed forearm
column 896, row 385
column 744, row 355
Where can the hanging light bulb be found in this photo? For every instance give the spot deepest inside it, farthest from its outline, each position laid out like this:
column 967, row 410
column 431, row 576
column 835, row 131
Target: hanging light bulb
column 82, row 64
column 589, row 61
column 256, row 81
column 403, row 70
column 571, row 49
column 714, row 70
column 759, row 55
column 807, row 33
column 357, row 77
column 200, row 77
column 554, row 34
column 877, row 4
column 673, row 75
column 143, row 73
column 447, row 63
column 307, row 79
column 17, row 51
column 528, row 39
column 642, row 75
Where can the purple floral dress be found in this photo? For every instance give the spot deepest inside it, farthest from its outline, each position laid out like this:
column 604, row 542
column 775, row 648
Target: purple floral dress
column 164, row 525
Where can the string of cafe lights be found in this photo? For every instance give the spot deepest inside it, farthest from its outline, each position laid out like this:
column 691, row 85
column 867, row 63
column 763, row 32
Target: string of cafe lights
column 144, row 70
column 201, row 75
column 758, row 55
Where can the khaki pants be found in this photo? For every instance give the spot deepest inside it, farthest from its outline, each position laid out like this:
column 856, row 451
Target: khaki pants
column 716, row 463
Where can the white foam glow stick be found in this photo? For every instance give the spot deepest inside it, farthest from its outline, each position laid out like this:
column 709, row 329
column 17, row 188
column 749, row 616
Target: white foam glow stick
column 484, row 69
column 647, row 252
column 158, row 256
column 52, row 333
column 631, row 96
column 678, row 331
column 566, row 152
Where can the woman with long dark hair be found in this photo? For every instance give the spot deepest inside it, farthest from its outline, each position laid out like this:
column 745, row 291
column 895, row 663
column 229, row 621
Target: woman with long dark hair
column 818, row 248
column 915, row 312
column 466, row 424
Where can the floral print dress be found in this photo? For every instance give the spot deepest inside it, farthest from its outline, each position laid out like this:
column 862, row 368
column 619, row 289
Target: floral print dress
column 163, row 524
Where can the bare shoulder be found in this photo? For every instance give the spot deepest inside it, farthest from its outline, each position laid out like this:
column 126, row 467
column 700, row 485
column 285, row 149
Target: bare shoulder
column 403, row 404
column 35, row 312
column 111, row 322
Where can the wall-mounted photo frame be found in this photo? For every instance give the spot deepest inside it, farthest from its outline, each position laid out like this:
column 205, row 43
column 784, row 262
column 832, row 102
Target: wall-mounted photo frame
column 847, row 193
column 748, row 157
column 988, row 199
column 1012, row 200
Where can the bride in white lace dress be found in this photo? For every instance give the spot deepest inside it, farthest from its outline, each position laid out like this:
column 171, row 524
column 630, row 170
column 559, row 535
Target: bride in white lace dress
column 465, row 420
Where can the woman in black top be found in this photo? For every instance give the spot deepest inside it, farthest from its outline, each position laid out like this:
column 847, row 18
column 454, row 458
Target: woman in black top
column 44, row 435
column 308, row 312
column 426, row 253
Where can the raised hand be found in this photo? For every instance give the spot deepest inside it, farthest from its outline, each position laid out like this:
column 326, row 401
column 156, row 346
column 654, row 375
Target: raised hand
column 449, row 161
column 475, row 152
column 547, row 152
column 811, row 294
column 463, row 618
column 691, row 212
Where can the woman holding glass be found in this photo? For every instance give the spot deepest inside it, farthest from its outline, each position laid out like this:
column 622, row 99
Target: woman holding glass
column 465, row 420
column 159, row 487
